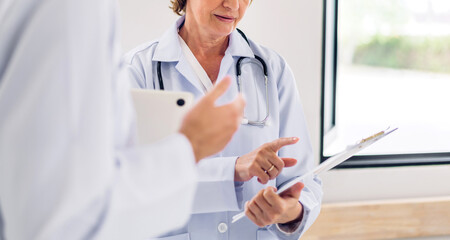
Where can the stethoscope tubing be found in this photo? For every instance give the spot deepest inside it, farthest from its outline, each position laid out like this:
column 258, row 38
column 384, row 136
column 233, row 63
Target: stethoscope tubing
column 239, row 83
column 160, row 79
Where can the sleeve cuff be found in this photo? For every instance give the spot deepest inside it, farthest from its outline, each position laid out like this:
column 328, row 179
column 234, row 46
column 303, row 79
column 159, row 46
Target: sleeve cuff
column 216, row 191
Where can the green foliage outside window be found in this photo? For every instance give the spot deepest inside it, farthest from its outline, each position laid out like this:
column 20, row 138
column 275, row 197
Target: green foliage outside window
column 405, row 52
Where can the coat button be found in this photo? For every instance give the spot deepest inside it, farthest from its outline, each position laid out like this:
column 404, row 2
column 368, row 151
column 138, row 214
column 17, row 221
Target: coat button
column 222, row 227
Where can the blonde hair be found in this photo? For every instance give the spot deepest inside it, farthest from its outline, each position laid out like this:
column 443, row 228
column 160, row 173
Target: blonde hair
column 178, row 6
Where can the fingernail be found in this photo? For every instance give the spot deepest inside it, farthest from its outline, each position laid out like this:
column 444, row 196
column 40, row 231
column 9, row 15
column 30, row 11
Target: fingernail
column 294, row 139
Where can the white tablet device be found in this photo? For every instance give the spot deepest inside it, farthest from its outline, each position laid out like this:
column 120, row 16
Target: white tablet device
column 159, row 113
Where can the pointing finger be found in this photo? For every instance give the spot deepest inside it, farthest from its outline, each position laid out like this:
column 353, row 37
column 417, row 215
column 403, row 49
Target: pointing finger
column 289, row 162
column 281, row 142
column 219, row 89
column 237, row 104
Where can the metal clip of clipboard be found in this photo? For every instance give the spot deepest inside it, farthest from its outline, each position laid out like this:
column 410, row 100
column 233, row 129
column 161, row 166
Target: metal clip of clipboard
column 330, row 163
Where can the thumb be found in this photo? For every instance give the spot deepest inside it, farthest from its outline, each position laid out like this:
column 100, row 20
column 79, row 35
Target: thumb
column 289, row 162
column 236, row 106
column 219, row 89
column 238, row 103
column 294, row 191
column 281, row 142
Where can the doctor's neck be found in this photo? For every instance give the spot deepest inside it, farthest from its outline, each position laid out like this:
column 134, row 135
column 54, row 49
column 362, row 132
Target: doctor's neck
column 201, row 42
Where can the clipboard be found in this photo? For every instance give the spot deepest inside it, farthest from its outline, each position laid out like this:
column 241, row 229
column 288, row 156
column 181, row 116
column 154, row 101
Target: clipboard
column 330, row 163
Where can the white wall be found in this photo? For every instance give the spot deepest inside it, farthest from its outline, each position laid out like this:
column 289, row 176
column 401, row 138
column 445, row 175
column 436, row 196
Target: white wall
column 294, row 29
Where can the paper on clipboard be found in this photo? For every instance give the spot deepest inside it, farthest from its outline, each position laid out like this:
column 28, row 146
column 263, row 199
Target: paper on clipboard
column 330, row 163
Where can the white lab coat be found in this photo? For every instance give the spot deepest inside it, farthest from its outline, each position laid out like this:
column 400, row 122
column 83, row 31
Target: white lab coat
column 69, row 168
column 218, row 197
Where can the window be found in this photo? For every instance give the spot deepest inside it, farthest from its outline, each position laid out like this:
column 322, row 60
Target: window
column 387, row 63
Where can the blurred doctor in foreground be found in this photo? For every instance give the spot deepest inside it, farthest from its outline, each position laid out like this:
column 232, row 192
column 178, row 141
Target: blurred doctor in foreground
column 195, row 54
column 69, row 165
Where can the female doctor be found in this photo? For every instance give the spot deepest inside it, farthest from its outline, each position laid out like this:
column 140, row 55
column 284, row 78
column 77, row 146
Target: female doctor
column 201, row 47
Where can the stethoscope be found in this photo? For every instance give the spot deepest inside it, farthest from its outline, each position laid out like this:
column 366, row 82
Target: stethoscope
column 262, row 122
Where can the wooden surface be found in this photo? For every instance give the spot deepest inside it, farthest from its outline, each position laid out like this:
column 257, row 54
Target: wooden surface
column 382, row 220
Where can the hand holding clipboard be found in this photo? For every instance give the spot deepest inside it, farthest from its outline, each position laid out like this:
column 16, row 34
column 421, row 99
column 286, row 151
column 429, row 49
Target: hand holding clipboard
column 330, row 163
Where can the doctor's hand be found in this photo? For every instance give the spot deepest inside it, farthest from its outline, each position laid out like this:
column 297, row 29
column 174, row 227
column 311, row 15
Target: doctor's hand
column 264, row 162
column 209, row 127
column 269, row 208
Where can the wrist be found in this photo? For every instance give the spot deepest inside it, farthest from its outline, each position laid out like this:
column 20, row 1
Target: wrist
column 195, row 147
column 197, row 153
column 239, row 172
column 291, row 226
column 297, row 216
column 237, row 177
